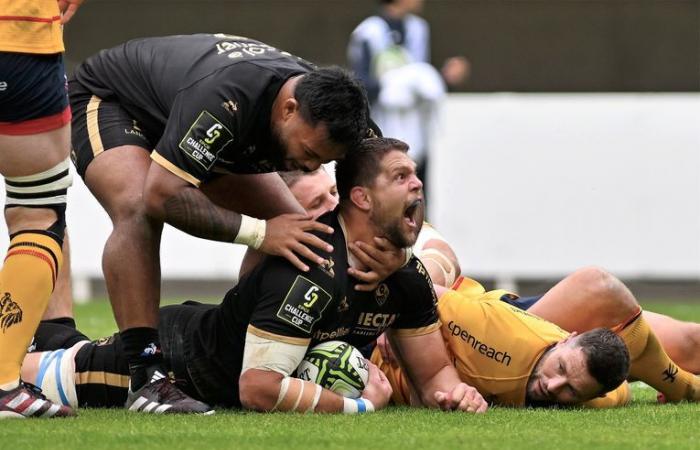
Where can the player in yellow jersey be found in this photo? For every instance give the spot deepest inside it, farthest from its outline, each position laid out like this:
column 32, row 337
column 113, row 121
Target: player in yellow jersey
column 34, row 150
column 516, row 358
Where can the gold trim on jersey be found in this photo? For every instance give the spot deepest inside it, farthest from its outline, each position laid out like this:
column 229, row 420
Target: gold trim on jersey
column 91, row 117
column 108, row 378
column 172, row 168
column 277, row 337
column 411, row 332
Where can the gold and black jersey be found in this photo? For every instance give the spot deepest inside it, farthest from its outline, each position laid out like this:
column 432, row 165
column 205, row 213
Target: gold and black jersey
column 30, row 26
column 206, row 99
column 281, row 303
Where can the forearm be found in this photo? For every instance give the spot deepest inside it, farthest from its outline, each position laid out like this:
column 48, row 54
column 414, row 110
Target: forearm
column 269, row 391
column 191, row 211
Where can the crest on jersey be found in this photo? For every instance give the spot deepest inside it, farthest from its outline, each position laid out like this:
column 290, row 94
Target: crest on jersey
column 206, row 137
column 344, row 305
column 327, row 267
column 10, row 312
column 381, row 294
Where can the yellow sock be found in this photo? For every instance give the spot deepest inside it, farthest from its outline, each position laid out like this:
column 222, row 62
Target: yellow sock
column 651, row 364
column 27, row 279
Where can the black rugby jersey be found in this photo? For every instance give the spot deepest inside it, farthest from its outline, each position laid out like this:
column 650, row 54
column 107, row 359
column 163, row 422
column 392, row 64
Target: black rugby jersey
column 280, row 302
column 207, row 98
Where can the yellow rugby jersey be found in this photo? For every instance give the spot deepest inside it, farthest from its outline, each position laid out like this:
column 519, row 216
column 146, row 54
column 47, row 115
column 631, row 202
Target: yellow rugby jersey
column 494, row 346
column 30, row 26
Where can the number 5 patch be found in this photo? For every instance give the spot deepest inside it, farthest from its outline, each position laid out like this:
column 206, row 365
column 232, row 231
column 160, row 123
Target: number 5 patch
column 205, row 139
column 304, row 304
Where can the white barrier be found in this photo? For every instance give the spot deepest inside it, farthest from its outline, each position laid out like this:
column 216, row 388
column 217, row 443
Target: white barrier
column 533, row 185
column 523, row 185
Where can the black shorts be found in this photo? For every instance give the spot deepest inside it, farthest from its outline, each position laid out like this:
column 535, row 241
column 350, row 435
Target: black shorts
column 102, row 124
column 33, row 93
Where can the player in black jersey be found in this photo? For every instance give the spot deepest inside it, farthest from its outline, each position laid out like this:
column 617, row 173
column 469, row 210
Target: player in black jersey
column 242, row 352
column 186, row 130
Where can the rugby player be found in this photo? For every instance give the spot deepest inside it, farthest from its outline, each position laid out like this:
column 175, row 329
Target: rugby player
column 187, row 130
column 515, row 358
column 242, row 352
column 34, row 149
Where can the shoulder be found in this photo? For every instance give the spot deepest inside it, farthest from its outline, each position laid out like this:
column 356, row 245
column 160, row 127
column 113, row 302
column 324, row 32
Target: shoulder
column 371, row 26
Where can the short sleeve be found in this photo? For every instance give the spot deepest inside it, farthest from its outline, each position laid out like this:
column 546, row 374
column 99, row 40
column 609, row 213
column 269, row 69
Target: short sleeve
column 418, row 301
column 206, row 119
column 290, row 303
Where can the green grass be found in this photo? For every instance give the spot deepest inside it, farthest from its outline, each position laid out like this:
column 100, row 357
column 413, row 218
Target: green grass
column 642, row 425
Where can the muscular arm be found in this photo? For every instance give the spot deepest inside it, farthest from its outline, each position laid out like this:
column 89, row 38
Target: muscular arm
column 432, row 375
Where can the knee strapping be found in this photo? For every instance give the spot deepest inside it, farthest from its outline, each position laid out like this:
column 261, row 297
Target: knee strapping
column 47, row 189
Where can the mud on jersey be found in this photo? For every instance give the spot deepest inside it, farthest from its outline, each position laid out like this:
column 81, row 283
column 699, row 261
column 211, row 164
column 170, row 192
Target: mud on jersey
column 206, row 97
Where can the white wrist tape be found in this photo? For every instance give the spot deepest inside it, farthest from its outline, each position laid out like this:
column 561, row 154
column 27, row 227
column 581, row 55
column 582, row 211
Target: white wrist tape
column 251, row 232
column 296, row 395
column 357, row 405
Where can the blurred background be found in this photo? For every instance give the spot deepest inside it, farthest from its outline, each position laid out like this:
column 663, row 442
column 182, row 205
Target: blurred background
column 575, row 139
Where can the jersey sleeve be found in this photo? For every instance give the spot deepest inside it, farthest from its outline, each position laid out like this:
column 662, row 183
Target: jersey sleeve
column 418, row 302
column 207, row 119
column 290, row 303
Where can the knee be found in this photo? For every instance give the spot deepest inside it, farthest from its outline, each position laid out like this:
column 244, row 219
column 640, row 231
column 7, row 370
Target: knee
column 599, row 282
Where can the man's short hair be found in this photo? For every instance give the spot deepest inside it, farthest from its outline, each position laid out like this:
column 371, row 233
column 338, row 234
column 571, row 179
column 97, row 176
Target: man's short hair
column 607, row 358
column 362, row 166
column 334, row 97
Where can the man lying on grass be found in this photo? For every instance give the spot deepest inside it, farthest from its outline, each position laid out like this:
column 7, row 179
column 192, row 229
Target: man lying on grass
column 241, row 352
column 515, row 358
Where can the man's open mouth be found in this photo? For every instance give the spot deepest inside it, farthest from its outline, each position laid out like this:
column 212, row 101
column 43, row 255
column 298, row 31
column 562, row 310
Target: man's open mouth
column 411, row 212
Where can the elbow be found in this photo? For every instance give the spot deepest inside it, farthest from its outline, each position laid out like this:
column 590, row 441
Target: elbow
column 256, row 391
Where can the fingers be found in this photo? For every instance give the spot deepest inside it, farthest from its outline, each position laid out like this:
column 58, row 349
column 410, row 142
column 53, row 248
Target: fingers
column 463, row 397
column 292, row 258
column 315, row 241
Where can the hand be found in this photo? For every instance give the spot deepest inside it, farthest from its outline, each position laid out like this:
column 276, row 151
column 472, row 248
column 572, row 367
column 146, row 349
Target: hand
column 378, row 389
column 382, row 258
column 462, row 397
column 68, row 9
column 288, row 235
column 387, row 353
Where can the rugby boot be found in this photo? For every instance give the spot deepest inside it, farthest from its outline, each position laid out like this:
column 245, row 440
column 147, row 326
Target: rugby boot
column 26, row 400
column 161, row 396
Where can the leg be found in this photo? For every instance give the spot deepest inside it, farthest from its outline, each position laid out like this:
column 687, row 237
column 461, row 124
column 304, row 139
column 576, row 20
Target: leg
column 588, row 298
column 61, row 301
column 116, row 180
column 681, row 340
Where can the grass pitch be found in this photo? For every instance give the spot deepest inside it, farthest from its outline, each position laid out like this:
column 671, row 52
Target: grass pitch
column 642, row 425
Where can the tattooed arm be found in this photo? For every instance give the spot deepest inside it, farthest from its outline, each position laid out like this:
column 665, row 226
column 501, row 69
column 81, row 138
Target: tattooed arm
column 170, row 199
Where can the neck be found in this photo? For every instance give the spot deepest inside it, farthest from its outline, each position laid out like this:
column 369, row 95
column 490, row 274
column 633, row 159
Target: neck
column 356, row 227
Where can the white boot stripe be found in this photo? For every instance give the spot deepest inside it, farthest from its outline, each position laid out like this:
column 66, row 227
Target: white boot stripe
column 51, row 411
column 137, row 404
column 15, row 402
column 162, row 408
column 34, row 407
column 149, row 407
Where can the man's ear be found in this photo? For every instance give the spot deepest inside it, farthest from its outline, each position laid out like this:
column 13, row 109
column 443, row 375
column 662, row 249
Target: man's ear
column 360, row 198
column 289, row 107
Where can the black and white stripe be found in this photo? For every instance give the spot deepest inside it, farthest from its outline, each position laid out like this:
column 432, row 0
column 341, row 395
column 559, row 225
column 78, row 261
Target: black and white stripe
column 46, row 188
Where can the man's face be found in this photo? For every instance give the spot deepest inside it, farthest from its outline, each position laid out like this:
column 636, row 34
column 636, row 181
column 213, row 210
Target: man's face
column 397, row 208
column 561, row 377
column 302, row 146
column 316, row 192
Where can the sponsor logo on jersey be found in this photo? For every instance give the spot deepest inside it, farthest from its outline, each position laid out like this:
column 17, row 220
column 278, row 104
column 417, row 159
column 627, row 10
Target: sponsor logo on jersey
column 344, row 305
column 381, row 294
column 10, row 312
column 206, row 137
column 135, row 130
column 376, row 321
column 321, row 335
column 304, row 304
column 670, row 373
column 476, row 344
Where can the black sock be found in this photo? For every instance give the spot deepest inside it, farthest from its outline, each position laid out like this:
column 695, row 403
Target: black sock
column 67, row 321
column 142, row 351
